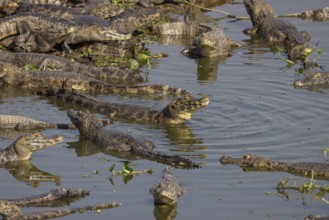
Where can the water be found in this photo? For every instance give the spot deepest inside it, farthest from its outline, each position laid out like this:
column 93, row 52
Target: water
column 253, row 108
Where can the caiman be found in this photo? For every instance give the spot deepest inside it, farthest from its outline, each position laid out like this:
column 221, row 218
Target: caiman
column 177, row 111
column 167, row 191
column 103, row 10
column 10, row 209
column 313, row 80
column 52, row 30
column 321, row 14
column 253, row 162
column 271, row 29
column 25, row 123
column 131, row 19
column 50, row 62
column 209, row 42
column 23, row 147
column 311, row 217
column 12, row 75
column 92, row 128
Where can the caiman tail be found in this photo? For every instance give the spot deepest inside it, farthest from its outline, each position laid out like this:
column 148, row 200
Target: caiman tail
column 173, row 160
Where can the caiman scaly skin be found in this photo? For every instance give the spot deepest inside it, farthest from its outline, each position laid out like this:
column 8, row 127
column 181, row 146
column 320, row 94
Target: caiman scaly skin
column 12, row 75
column 271, row 29
column 50, row 62
column 131, row 19
column 321, row 14
column 97, row 8
column 11, row 209
column 92, row 128
column 177, row 111
column 23, row 147
column 27, row 23
column 167, row 191
column 251, row 161
column 25, row 123
column 311, row 217
column 313, row 80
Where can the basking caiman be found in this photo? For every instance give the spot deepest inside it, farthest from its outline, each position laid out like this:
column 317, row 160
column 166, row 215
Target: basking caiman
column 12, row 75
column 271, row 29
column 253, row 162
column 92, row 128
column 10, row 208
column 314, row 80
column 40, row 32
column 177, row 111
column 23, row 147
column 50, row 62
column 167, row 190
column 25, row 123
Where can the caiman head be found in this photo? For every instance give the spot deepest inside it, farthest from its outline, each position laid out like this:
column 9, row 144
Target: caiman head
column 88, row 124
column 7, row 73
column 27, row 144
column 181, row 109
column 106, row 33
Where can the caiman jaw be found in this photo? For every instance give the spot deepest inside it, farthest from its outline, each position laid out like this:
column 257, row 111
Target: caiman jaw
column 114, row 35
column 38, row 141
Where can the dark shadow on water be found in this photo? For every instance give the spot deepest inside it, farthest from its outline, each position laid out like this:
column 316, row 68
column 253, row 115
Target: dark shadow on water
column 165, row 212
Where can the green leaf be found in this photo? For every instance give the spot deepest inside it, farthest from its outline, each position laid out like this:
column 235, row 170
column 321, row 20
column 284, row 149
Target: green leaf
column 126, row 169
column 111, row 168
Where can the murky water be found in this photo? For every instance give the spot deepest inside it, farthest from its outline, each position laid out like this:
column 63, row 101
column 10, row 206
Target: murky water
column 253, row 108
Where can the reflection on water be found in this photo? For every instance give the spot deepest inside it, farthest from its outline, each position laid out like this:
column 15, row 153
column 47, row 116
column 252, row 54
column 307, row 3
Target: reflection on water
column 24, row 171
column 165, row 212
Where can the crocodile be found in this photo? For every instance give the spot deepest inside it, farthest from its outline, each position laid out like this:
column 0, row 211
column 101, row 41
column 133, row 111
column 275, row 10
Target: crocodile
column 253, row 162
column 167, row 191
column 316, row 79
column 12, row 75
column 25, row 123
column 274, row 30
column 92, row 128
column 321, row 14
column 23, row 147
column 177, row 111
column 11, row 208
column 50, row 62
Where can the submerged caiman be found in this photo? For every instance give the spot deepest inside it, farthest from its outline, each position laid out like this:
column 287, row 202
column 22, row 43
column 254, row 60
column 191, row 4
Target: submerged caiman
column 177, row 111
column 23, row 147
column 12, row 75
column 25, row 123
column 313, row 80
column 167, row 191
column 253, row 162
column 92, row 128
column 321, row 14
column 50, row 62
column 11, row 208
column 271, row 29
column 209, row 41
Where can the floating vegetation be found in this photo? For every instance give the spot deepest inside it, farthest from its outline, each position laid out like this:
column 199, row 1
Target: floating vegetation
column 126, row 172
column 306, row 59
column 306, row 186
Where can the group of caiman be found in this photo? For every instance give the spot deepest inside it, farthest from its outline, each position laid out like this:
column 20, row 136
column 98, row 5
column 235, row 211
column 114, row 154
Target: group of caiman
column 35, row 32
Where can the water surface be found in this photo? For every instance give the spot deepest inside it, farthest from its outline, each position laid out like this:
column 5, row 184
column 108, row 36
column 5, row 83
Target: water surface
column 253, row 108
